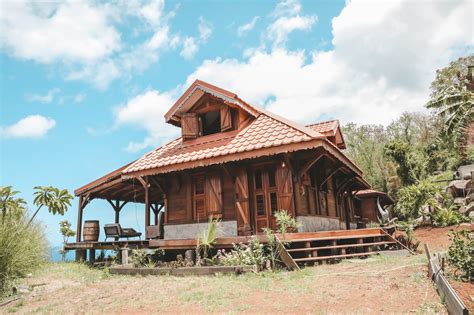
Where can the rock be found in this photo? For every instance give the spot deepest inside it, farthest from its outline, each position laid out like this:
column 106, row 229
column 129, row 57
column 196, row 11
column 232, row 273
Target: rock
column 459, row 201
column 468, row 209
column 469, row 198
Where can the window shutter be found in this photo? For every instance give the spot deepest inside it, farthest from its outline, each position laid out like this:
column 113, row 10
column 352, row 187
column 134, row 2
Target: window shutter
column 285, row 188
column 226, row 118
column 189, row 125
column 214, row 194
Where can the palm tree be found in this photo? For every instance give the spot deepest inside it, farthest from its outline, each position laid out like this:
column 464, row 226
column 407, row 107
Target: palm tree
column 206, row 239
column 9, row 203
column 56, row 200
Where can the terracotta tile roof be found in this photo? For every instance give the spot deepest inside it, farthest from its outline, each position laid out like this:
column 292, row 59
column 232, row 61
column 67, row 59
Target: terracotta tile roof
column 265, row 132
column 325, row 127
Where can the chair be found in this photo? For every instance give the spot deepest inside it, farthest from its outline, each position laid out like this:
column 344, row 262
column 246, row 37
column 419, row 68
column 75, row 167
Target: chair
column 116, row 231
column 155, row 231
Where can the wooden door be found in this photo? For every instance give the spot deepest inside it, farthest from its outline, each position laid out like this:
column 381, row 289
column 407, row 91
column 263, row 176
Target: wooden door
column 265, row 197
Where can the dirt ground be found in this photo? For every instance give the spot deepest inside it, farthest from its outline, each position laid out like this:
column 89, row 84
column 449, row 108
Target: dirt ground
column 387, row 283
column 438, row 241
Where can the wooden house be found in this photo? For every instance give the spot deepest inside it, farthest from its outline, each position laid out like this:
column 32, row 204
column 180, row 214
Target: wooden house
column 236, row 162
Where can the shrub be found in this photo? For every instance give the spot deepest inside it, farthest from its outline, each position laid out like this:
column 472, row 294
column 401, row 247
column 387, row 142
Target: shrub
column 252, row 254
column 447, row 215
column 141, row 258
column 412, row 199
column 461, row 254
column 285, row 222
column 23, row 249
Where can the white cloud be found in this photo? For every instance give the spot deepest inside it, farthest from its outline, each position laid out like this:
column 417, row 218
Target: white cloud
column 83, row 39
column 384, row 57
column 190, row 45
column 190, row 48
column 287, row 20
column 247, row 27
column 205, row 29
column 147, row 111
column 46, row 98
column 68, row 31
column 33, row 126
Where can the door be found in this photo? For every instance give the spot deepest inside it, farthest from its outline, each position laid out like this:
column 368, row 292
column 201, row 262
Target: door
column 265, row 197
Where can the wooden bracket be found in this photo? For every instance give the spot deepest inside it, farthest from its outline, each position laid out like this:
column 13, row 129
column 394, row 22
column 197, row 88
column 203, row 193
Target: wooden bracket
column 308, row 165
column 329, row 176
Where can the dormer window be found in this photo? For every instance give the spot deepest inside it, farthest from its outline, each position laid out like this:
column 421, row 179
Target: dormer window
column 210, row 123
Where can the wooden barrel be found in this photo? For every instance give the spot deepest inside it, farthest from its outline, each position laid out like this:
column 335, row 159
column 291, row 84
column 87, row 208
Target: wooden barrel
column 91, row 231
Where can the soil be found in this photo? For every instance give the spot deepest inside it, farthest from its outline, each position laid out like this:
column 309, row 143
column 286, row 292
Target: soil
column 395, row 283
column 438, row 241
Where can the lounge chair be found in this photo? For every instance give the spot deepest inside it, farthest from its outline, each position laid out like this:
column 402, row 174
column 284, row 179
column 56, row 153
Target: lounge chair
column 117, row 232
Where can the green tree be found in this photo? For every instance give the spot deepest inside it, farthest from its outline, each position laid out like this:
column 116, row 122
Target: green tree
column 452, row 99
column 56, row 200
column 9, row 203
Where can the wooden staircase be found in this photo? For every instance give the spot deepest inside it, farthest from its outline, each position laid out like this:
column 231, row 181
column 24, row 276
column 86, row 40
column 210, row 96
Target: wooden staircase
column 320, row 247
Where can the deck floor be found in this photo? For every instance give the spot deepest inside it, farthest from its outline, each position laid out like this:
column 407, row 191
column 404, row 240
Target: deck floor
column 221, row 242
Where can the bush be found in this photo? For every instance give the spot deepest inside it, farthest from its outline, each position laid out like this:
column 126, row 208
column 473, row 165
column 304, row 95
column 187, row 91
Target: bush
column 412, row 199
column 23, row 249
column 461, row 253
column 446, row 216
column 252, row 254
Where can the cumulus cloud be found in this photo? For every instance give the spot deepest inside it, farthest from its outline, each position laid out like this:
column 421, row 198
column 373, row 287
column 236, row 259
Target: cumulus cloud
column 190, row 45
column 384, row 57
column 288, row 18
column 57, row 32
column 33, row 126
column 247, row 27
column 190, row 48
column 46, row 98
column 84, row 38
column 147, row 111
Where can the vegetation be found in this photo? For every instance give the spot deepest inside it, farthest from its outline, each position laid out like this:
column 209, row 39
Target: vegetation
column 413, row 199
column 56, row 200
column 448, row 215
column 461, row 254
column 22, row 242
column 415, row 148
column 66, row 232
column 206, row 240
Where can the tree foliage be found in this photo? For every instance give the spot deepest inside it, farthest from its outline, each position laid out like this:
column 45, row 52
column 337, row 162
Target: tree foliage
column 452, row 99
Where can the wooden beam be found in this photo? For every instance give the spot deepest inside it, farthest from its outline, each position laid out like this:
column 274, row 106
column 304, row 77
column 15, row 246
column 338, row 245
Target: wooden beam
column 146, row 186
column 310, row 163
column 329, row 176
column 105, row 186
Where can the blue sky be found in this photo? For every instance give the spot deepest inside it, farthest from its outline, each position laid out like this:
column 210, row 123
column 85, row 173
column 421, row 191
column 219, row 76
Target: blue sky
column 84, row 84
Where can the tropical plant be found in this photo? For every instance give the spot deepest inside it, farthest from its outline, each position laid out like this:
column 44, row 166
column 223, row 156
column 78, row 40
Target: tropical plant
column 461, row 254
column 285, row 222
column 206, row 240
column 447, row 215
column 9, row 204
column 451, row 99
column 56, row 200
column 141, row 258
column 66, row 232
column 251, row 254
column 413, row 199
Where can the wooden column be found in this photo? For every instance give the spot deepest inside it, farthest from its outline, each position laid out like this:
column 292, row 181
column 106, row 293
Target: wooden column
column 146, row 186
column 83, row 201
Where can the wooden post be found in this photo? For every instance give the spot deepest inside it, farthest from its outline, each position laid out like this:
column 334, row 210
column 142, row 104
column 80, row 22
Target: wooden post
column 91, row 256
column 79, row 253
column 147, row 203
column 124, row 260
column 117, row 211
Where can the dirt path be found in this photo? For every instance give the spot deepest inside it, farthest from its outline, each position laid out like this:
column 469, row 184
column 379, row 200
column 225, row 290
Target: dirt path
column 382, row 284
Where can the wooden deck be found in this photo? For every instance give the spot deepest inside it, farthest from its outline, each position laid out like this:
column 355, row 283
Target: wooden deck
column 227, row 242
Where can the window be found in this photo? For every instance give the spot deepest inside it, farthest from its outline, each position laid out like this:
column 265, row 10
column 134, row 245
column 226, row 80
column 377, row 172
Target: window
column 271, row 177
column 207, row 196
column 260, row 201
column 210, row 123
column 199, row 198
column 274, row 202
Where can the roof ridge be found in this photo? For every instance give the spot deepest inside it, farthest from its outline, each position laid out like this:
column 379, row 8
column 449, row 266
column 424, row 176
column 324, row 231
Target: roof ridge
column 322, row 122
